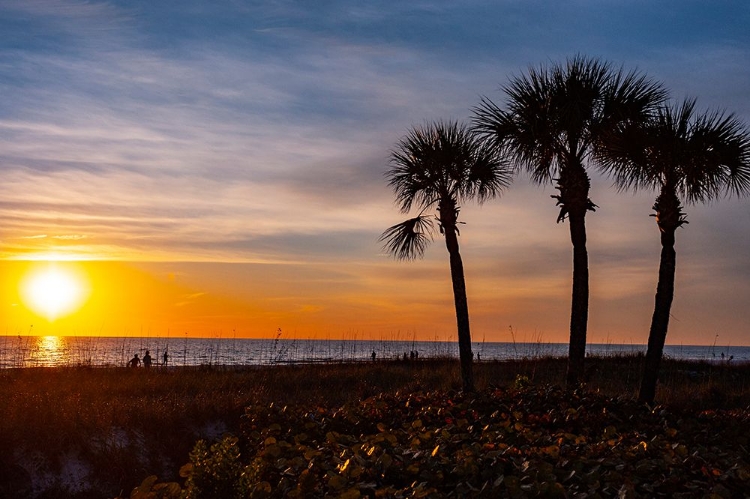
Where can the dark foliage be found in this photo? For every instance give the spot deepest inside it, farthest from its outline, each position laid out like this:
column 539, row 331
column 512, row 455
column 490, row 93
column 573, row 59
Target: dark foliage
column 521, row 441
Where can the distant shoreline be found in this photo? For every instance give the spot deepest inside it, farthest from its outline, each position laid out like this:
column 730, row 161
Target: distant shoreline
column 32, row 351
column 401, row 339
column 302, row 363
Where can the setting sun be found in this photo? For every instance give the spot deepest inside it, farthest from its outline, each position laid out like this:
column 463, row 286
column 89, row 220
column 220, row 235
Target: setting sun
column 53, row 290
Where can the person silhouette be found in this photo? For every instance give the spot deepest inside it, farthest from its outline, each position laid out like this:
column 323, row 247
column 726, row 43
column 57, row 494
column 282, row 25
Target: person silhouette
column 165, row 357
column 134, row 362
column 147, row 360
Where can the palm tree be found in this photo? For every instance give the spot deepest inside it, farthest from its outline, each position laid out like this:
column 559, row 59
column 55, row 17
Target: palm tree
column 688, row 157
column 439, row 166
column 556, row 119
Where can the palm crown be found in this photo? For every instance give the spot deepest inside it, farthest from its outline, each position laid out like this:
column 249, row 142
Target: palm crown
column 697, row 156
column 444, row 160
column 560, row 115
column 439, row 165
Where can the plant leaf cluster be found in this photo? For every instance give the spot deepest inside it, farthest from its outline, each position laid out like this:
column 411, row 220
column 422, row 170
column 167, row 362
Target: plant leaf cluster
column 524, row 441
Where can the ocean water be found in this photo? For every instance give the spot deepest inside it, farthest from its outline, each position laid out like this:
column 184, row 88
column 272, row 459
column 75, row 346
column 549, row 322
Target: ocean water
column 48, row 351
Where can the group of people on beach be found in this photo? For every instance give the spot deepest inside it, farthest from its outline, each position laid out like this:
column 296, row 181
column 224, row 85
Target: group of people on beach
column 413, row 355
column 147, row 360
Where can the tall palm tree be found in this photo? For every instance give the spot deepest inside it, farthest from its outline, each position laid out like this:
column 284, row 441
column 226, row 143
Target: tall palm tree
column 439, row 166
column 555, row 119
column 687, row 157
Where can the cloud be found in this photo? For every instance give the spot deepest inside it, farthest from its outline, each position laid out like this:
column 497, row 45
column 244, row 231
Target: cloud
column 189, row 299
column 213, row 131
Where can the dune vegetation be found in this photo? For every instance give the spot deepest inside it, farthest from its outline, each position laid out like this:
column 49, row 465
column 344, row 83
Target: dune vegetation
column 405, row 429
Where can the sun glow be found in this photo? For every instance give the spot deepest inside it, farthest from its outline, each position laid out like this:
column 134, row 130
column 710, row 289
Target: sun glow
column 54, row 290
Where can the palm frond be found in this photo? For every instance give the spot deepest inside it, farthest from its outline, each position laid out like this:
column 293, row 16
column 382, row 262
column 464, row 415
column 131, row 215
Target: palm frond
column 491, row 123
column 490, row 173
column 631, row 97
column 578, row 93
column 409, row 239
column 718, row 146
column 531, row 134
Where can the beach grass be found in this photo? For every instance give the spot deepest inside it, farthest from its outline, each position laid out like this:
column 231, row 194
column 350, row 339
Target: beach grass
column 82, row 432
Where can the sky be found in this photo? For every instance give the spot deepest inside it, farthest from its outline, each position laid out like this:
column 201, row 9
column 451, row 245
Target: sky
column 216, row 169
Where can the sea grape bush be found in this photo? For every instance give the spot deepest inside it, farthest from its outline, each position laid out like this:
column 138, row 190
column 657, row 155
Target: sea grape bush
column 531, row 441
column 215, row 471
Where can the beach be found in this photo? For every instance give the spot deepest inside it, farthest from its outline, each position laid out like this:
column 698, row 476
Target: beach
column 102, row 431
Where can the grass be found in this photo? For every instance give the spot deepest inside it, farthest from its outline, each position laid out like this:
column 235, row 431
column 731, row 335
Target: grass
column 122, row 425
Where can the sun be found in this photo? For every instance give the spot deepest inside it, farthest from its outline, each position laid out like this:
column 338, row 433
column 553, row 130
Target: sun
column 54, row 290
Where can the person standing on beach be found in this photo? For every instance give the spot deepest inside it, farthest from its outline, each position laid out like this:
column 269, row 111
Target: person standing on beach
column 166, row 357
column 134, row 362
column 147, row 360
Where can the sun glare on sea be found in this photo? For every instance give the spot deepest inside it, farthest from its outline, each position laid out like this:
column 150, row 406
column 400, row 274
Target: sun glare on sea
column 49, row 343
column 53, row 290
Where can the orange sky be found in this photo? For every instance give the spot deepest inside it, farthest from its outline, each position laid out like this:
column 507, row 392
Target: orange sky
column 524, row 286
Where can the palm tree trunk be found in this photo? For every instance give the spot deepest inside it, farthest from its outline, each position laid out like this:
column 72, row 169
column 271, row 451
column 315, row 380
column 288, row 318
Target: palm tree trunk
column 669, row 218
column 657, row 336
column 574, row 186
column 579, row 311
column 462, row 309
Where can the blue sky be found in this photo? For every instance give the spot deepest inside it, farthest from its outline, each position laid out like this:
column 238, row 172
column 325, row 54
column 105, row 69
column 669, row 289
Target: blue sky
column 256, row 134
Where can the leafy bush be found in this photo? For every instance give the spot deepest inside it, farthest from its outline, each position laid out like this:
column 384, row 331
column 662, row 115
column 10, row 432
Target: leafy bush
column 126, row 425
column 215, row 472
column 536, row 441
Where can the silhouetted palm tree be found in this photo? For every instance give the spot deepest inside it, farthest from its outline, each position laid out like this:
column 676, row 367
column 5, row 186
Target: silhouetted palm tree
column 439, row 166
column 556, row 118
column 688, row 156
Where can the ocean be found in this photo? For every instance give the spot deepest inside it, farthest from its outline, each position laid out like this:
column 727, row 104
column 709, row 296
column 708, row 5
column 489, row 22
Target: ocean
column 52, row 351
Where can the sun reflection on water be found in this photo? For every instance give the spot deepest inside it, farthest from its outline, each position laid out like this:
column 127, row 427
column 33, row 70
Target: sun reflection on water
column 49, row 344
column 50, row 351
